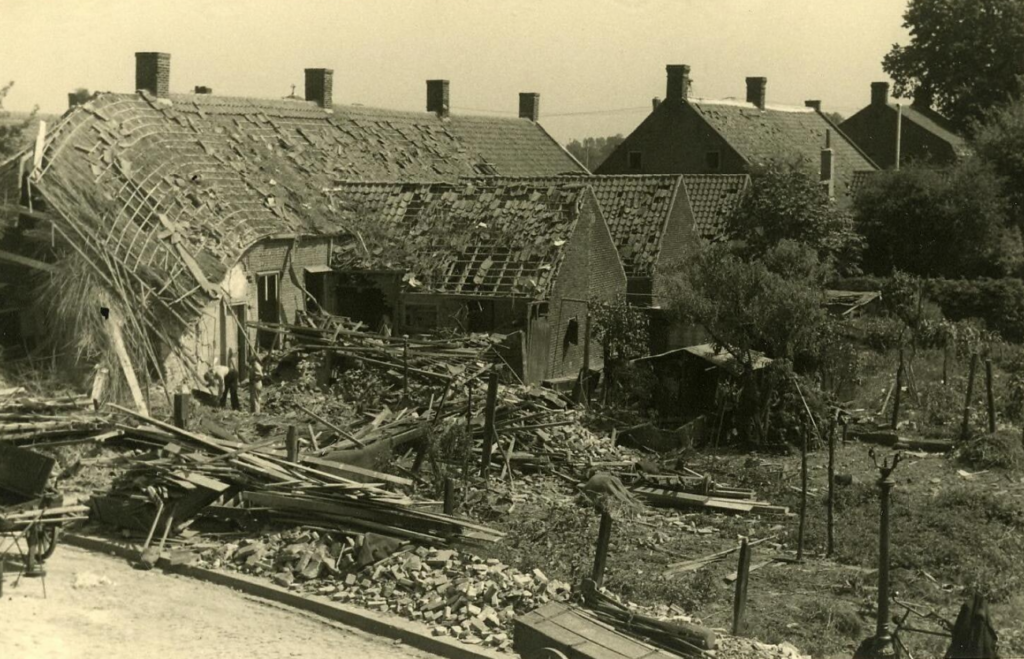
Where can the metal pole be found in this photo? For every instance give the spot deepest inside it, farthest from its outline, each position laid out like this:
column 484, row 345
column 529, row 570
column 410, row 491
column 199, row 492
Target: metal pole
column 899, row 130
column 881, row 644
column 604, row 536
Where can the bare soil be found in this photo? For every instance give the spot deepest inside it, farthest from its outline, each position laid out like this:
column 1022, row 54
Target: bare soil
column 99, row 607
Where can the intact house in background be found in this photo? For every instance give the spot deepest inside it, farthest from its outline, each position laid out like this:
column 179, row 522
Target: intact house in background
column 924, row 136
column 196, row 213
column 513, row 256
column 685, row 135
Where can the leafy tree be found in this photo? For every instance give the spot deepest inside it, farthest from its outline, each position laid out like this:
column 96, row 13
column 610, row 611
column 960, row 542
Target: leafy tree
column 785, row 203
column 835, row 117
column 592, row 151
column 999, row 141
column 771, row 304
column 949, row 222
column 965, row 55
column 623, row 331
column 11, row 132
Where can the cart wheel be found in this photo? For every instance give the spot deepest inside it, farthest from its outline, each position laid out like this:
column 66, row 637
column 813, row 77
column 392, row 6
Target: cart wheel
column 548, row 653
column 48, row 541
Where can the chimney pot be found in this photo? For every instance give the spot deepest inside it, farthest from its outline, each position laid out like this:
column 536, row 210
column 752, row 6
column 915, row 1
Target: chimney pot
column 437, row 97
column 814, row 105
column 678, row 82
column 203, row 89
column 879, row 94
column 78, row 97
column 529, row 106
column 153, row 73
column 320, row 87
column 655, row 102
column 756, row 91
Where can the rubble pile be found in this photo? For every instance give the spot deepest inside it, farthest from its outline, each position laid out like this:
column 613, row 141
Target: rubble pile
column 33, row 420
column 456, row 593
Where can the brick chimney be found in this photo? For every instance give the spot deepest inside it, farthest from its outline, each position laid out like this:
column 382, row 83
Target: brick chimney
column 203, row 89
column 529, row 106
column 437, row 97
column 828, row 172
column 153, row 73
column 756, row 91
column 814, row 105
column 320, row 87
column 879, row 94
column 678, row 82
column 77, row 97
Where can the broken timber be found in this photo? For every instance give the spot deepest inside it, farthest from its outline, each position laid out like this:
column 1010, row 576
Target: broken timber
column 671, row 499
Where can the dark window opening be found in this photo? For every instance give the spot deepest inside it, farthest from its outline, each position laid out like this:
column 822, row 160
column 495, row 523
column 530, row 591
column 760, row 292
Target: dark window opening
column 636, row 160
column 316, row 288
column 268, row 307
column 713, row 160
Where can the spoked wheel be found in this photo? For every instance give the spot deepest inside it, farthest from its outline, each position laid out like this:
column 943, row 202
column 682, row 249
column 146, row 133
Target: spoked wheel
column 47, row 541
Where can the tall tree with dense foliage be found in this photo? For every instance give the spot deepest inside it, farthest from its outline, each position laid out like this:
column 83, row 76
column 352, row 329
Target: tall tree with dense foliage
column 785, row 203
column 966, row 55
column 999, row 141
column 949, row 222
column 592, row 151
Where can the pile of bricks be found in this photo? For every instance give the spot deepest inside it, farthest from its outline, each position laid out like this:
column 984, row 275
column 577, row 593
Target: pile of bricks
column 455, row 593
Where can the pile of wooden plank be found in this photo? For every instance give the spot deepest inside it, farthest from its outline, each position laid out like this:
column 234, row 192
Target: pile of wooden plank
column 33, row 420
column 188, row 473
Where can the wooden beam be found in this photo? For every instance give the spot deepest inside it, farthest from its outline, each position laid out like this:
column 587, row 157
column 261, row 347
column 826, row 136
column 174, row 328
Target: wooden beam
column 18, row 259
column 113, row 325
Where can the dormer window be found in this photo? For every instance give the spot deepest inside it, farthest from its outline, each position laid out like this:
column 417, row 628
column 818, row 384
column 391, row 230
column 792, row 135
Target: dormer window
column 636, row 161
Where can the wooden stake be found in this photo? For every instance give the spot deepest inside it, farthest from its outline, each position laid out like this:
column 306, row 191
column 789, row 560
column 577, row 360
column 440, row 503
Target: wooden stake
column 803, row 499
column 830, row 511
column 991, row 397
column 449, row 496
column 604, row 536
column 899, row 390
column 965, row 428
column 182, row 404
column 489, row 434
column 742, row 579
column 292, row 444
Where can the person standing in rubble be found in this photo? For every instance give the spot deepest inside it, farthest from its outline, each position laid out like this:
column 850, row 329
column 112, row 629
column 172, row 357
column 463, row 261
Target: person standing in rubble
column 225, row 380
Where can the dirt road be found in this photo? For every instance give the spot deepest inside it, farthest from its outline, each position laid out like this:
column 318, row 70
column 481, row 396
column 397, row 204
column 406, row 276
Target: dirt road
column 99, row 607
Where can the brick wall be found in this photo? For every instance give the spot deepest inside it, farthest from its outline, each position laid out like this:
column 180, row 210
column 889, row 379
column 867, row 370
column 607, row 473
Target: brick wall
column 270, row 256
column 674, row 139
column 873, row 129
column 590, row 269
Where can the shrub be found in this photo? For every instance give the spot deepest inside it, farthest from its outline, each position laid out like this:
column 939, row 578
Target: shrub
column 999, row 450
column 998, row 302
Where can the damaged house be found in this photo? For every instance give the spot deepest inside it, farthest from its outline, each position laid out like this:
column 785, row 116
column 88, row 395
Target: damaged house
column 514, row 256
column 177, row 218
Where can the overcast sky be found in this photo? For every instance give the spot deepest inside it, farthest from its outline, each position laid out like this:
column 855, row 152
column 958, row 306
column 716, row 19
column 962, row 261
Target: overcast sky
column 605, row 58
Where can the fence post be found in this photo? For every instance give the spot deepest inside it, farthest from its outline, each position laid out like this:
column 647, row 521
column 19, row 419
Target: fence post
column 830, row 511
column 181, row 410
column 803, row 499
column 492, row 403
column 739, row 604
column 292, row 444
column 964, row 429
column 898, row 392
column 991, row 397
column 449, row 496
column 604, row 536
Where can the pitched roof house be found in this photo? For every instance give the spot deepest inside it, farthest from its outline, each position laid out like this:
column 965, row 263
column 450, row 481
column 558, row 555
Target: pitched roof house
column 492, row 255
column 188, row 206
column 924, row 135
column 686, row 135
